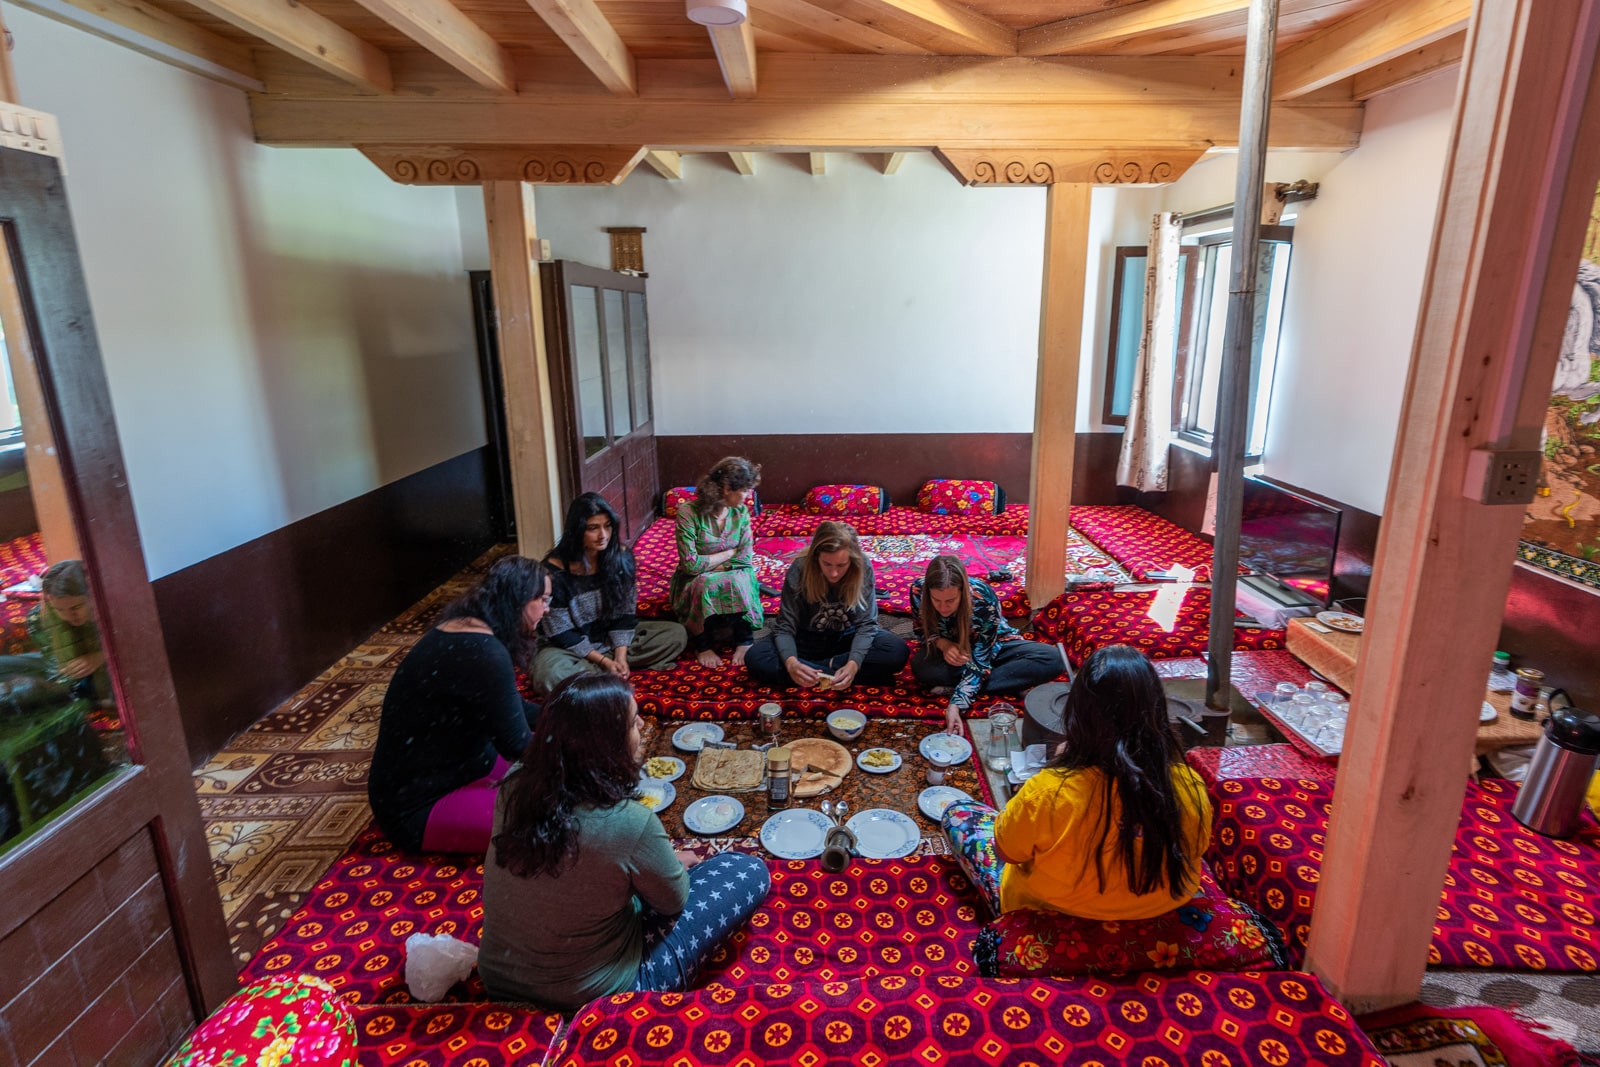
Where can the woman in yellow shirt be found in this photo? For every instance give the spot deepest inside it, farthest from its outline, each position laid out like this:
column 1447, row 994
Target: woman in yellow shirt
column 1116, row 823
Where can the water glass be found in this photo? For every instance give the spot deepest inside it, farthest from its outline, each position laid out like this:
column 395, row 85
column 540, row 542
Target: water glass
column 1316, row 687
column 1284, row 692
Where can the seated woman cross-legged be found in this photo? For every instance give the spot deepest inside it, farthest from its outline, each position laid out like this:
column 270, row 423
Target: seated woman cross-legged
column 968, row 647
column 583, row 895
column 827, row 630
column 1114, row 825
column 453, row 717
column 593, row 623
column 715, row 587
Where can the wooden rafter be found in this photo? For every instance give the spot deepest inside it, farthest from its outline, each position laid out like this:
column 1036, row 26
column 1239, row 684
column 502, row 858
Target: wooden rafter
column 155, row 33
column 743, row 162
column 941, row 26
column 892, row 161
column 593, row 40
column 839, row 32
column 736, row 55
column 441, row 28
column 1373, row 36
column 1085, row 34
column 667, row 164
column 819, row 164
column 1413, row 66
column 307, row 35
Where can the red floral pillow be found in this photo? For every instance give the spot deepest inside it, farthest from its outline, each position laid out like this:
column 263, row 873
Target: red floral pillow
column 1210, row 933
column 846, row 500
column 287, row 1021
column 957, row 496
column 685, row 494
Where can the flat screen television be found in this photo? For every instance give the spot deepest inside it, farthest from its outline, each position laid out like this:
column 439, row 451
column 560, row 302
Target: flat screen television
column 1289, row 538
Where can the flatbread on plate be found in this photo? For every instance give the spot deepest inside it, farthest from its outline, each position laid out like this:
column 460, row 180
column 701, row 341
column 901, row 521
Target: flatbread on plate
column 727, row 770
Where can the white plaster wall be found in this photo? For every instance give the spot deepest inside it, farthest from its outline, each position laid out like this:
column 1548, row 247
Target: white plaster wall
column 283, row 330
column 851, row 302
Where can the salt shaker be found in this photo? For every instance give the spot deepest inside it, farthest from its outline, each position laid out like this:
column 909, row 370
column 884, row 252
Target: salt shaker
column 938, row 762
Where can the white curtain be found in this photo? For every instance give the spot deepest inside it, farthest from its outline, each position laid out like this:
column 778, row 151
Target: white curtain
column 1143, row 462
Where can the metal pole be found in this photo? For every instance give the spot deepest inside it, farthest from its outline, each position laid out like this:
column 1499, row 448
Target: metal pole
column 1233, row 391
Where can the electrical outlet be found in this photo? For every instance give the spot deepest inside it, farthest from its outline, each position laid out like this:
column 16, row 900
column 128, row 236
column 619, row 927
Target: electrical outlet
column 1502, row 477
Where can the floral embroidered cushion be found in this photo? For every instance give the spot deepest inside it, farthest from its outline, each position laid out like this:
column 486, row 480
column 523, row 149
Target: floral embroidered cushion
column 1211, row 933
column 685, row 494
column 286, row 1021
column 846, row 500
column 959, row 496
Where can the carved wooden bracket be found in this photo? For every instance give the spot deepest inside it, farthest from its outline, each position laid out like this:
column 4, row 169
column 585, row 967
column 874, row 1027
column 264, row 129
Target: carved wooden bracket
column 1084, row 166
column 29, row 130
column 473, row 164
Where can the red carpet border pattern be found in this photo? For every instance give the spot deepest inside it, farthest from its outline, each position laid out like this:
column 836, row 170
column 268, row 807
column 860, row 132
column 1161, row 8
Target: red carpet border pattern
column 1087, row 621
column 1512, row 899
column 454, row 1035
column 1214, row 1020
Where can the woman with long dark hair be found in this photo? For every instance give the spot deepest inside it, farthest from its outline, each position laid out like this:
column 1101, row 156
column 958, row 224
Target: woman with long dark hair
column 1115, row 824
column 827, row 632
column 593, row 622
column 583, row 895
column 967, row 646
column 715, row 588
column 453, row 718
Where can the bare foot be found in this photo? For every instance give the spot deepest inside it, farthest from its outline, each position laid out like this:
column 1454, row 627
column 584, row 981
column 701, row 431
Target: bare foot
column 738, row 654
column 708, row 658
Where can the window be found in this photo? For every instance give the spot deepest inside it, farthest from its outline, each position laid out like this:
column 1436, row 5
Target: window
column 1127, row 325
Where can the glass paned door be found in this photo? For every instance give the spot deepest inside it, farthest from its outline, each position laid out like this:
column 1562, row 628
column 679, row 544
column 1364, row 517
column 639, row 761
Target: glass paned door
column 588, row 362
column 617, row 364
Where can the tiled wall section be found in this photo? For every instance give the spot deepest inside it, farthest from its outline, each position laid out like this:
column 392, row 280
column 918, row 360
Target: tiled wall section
column 94, row 977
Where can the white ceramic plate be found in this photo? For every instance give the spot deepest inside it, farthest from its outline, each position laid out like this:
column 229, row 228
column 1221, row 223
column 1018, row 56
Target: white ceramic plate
column 1487, row 713
column 1342, row 620
column 934, row 799
column 886, row 768
column 663, row 793
column 713, row 815
column 955, row 749
column 884, row 834
column 693, row 737
column 796, row 834
column 671, row 768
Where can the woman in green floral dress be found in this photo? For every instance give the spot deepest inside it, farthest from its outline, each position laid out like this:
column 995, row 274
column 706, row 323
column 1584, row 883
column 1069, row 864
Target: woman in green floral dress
column 715, row 586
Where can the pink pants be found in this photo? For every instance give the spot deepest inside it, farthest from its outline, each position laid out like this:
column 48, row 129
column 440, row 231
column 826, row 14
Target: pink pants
column 461, row 821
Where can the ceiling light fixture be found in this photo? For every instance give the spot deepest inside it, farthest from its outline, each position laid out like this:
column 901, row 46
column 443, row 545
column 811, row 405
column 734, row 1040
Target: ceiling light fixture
column 717, row 12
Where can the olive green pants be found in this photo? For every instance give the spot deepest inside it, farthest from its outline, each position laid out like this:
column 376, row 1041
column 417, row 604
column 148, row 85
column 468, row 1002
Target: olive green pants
column 655, row 647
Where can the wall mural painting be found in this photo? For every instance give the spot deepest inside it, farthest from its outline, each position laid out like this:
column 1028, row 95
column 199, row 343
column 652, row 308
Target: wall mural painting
column 1561, row 532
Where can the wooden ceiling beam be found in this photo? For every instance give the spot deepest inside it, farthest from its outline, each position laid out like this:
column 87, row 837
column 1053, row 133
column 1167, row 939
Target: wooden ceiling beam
column 667, row 164
column 307, row 35
column 743, row 162
column 941, row 26
column 891, row 162
column 1374, row 36
column 593, row 40
column 1086, row 34
column 1410, row 67
column 837, row 30
column 441, row 28
column 819, row 164
column 736, row 55
column 158, row 34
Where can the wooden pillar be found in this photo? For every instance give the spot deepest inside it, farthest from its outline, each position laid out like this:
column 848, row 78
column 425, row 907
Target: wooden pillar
column 1055, row 405
column 524, row 366
column 1518, row 188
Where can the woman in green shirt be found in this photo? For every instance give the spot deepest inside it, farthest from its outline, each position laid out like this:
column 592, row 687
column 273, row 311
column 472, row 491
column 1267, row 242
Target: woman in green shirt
column 583, row 895
column 715, row 586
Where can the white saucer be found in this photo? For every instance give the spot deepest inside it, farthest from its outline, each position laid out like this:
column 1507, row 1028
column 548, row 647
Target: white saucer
column 934, row 799
column 886, row 768
column 796, row 834
column 713, row 814
column 663, row 792
column 1342, row 620
column 692, row 738
column 677, row 770
column 884, row 834
column 1487, row 713
column 956, row 749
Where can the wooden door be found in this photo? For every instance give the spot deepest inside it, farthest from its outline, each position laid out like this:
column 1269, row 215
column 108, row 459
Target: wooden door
column 112, row 939
column 598, row 338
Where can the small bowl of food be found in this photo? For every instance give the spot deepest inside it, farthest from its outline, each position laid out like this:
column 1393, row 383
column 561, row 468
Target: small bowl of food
column 847, row 723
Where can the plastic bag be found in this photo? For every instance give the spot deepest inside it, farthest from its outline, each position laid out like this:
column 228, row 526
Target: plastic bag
column 435, row 962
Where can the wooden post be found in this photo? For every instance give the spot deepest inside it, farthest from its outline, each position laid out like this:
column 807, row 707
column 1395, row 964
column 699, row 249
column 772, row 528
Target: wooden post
column 1055, row 404
column 524, row 366
column 1518, row 188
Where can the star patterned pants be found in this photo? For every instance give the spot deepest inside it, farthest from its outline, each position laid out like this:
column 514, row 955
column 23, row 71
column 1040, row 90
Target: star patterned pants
column 724, row 891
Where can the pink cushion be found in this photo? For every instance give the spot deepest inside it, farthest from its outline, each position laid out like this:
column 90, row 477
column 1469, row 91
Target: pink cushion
column 845, row 500
column 288, row 1021
column 957, row 496
column 1211, row 933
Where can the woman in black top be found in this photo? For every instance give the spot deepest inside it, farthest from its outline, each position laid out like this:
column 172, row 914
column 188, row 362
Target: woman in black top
column 453, row 719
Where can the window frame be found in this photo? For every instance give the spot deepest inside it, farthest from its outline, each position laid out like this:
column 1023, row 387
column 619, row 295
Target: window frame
column 1188, row 263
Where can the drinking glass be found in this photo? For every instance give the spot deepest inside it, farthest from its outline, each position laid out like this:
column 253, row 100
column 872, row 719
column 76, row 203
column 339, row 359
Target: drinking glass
column 1284, row 692
column 1002, row 738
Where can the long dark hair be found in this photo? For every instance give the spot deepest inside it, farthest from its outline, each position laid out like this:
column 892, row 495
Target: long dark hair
column 579, row 756
column 499, row 600
column 614, row 565
column 1116, row 722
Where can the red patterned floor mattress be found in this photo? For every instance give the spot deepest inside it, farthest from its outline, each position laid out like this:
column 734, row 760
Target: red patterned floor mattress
column 20, row 559
column 453, row 1035
column 1512, row 899
column 1143, row 541
column 790, row 520
column 1165, row 623
column 1281, row 1019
